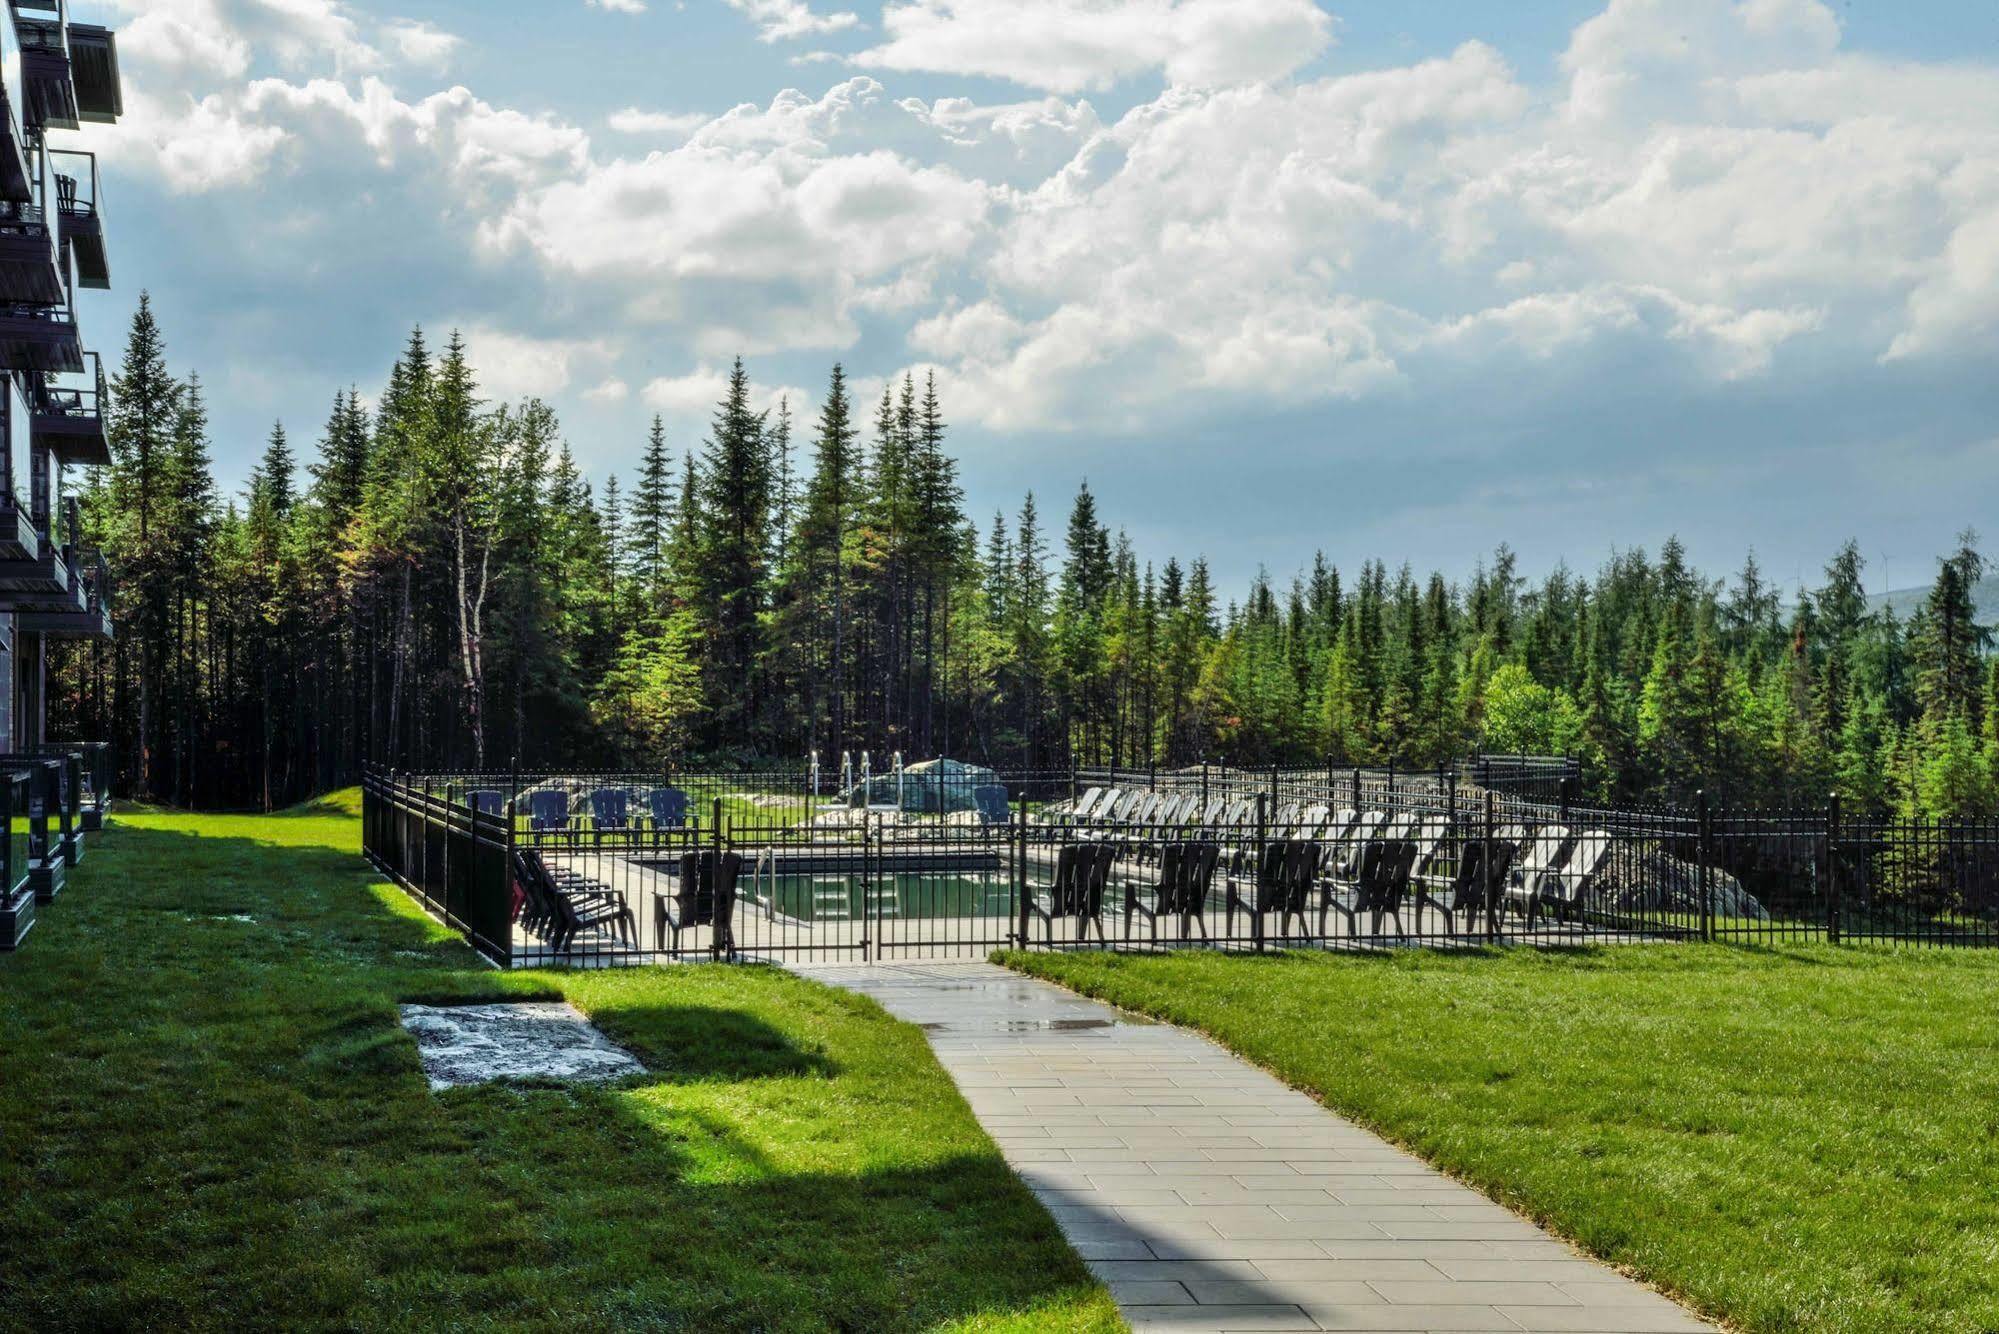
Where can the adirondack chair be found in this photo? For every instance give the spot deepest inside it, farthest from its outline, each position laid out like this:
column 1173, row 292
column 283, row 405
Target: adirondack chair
column 1282, row 885
column 487, row 800
column 1474, row 888
column 610, row 811
column 991, row 802
column 548, row 810
column 1081, row 872
column 704, row 896
column 668, row 809
column 1384, row 878
column 1187, row 898
column 1341, row 864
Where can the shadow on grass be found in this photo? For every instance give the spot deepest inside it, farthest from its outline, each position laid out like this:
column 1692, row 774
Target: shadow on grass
column 230, row 1127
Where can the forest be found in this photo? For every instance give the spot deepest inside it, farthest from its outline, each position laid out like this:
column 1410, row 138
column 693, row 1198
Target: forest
column 437, row 584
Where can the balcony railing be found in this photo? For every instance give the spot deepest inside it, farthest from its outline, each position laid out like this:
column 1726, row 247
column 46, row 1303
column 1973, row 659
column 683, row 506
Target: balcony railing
column 39, row 338
column 13, row 144
column 31, row 244
column 79, row 195
column 70, row 412
column 49, row 88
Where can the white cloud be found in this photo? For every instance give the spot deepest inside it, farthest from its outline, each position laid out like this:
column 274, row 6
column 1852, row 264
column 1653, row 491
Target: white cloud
column 419, row 43
column 619, row 6
column 1709, row 208
column 696, row 393
column 634, row 120
column 1069, row 45
column 782, row 20
column 511, row 365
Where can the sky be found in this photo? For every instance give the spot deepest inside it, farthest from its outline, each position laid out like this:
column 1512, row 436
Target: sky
column 1273, row 276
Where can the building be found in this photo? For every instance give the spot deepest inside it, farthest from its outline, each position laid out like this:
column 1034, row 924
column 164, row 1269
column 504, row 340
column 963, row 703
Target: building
column 54, row 76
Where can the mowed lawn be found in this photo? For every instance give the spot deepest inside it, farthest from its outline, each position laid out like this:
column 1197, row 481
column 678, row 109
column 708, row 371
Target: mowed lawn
column 210, row 1116
column 1797, row 1139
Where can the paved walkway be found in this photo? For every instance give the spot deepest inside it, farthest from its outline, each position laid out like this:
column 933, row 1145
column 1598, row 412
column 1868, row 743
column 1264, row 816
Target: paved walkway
column 1212, row 1197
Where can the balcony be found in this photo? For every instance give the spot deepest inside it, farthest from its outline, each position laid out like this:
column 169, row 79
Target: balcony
column 16, row 185
column 93, row 59
column 20, row 537
column 39, row 338
column 68, row 415
column 48, row 87
column 78, row 195
column 48, row 580
column 66, row 621
column 31, row 244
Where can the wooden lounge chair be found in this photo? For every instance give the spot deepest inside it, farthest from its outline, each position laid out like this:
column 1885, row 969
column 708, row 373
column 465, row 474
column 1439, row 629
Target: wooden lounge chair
column 1541, row 851
column 1562, row 891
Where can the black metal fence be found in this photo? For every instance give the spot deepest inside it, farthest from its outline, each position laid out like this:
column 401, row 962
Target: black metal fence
column 628, row 867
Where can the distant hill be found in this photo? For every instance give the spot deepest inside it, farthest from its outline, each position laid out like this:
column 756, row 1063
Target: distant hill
column 1903, row 601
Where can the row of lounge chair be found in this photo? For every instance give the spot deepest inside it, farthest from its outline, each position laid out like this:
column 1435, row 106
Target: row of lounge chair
column 1357, row 864
column 608, row 809
column 559, row 904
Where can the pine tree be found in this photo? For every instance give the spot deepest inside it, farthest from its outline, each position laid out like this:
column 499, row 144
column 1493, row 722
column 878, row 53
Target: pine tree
column 652, row 517
column 731, row 583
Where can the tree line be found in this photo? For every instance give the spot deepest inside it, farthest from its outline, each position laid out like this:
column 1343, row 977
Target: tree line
column 441, row 586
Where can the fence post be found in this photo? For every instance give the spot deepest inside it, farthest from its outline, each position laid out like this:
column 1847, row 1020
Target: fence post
column 1356, row 789
column 1256, row 869
column 1273, row 789
column 1832, row 899
column 1072, row 786
column 1568, row 796
column 1704, row 859
column 716, row 926
column 1485, row 871
column 1021, row 936
column 1204, row 788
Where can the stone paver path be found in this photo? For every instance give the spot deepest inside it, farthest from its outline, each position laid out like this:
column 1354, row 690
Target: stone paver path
column 1212, row 1197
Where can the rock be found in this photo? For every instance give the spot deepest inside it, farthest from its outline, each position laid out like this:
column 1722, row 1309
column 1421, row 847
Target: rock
column 476, row 1044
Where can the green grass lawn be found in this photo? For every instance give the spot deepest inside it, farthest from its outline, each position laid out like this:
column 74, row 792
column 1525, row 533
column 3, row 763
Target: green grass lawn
column 209, row 1116
column 1794, row 1139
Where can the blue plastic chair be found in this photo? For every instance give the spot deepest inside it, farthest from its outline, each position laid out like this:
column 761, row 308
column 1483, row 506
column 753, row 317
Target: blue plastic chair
column 608, row 810
column 487, row 800
column 669, row 808
column 548, row 809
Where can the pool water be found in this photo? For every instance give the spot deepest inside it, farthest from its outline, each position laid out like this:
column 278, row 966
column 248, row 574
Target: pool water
column 813, row 898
